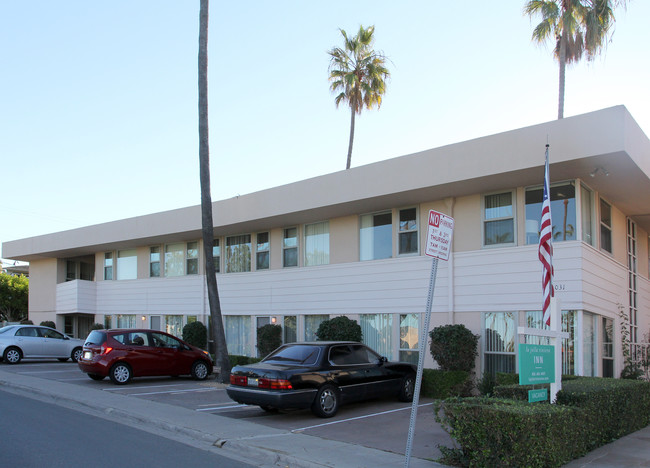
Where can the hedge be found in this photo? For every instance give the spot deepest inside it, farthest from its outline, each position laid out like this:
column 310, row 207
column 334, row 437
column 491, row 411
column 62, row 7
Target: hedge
column 236, row 360
column 437, row 383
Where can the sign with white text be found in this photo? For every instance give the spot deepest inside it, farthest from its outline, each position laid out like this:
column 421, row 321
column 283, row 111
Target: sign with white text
column 439, row 233
column 536, row 364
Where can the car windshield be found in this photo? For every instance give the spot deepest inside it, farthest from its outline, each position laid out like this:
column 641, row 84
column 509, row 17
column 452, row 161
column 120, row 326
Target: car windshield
column 297, row 354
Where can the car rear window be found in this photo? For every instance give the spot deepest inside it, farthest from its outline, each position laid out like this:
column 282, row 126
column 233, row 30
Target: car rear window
column 297, row 354
column 96, row 337
column 6, row 329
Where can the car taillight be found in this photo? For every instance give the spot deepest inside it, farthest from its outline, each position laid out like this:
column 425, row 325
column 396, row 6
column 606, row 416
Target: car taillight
column 240, row 380
column 275, row 384
column 105, row 349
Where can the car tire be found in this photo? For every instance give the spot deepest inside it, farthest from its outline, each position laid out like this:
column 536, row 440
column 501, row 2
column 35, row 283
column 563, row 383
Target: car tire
column 120, row 373
column 326, row 403
column 96, row 377
column 199, row 370
column 12, row 355
column 407, row 388
column 76, row 354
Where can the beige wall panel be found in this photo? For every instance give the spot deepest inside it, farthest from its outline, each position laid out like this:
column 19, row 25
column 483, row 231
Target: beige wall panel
column 344, row 239
column 42, row 287
column 467, row 224
column 276, row 236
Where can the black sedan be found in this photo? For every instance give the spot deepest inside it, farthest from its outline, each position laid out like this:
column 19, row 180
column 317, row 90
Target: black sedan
column 321, row 376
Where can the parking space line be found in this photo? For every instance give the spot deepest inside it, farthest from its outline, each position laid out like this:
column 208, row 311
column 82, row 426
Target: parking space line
column 144, row 386
column 217, row 408
column 45, row 372
column 358, row 417
column 175, row 392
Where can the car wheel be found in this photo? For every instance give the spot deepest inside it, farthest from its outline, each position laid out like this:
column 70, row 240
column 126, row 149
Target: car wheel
column 120, row 373
column 76, row 354
column 326, row 403
column 96, row 376
column 407, row 388
column 199, row 370
column 12, row 355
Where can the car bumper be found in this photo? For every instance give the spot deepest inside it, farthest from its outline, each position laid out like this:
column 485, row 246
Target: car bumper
column 302, row 398
column 93, row 367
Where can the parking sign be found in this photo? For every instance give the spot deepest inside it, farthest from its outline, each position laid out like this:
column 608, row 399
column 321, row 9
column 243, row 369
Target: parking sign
column 439, row 233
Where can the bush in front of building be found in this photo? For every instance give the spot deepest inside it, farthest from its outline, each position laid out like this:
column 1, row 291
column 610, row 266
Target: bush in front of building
column 237, row 360
column 440, row 384
column 510, row 433
column 196, row 334
column 97, row 326
column 269, row 338
column 339, row 329
column 454, row 347
column 48, row 323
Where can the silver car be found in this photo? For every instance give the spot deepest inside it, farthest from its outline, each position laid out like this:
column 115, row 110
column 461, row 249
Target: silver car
column 37, row 342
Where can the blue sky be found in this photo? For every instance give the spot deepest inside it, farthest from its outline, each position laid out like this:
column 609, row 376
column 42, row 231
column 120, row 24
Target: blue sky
column 98, row 114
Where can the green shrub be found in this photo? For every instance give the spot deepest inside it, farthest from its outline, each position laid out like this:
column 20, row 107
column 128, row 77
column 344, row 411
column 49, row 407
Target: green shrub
column 48, row 323
column 339, row 329
column 236, row 360
column 269, row 338
column 486, row 384
column 97, row 326
column 507, row 379
column 454, row 347
column 437, row 383
column 196, row 334
column 507, row 433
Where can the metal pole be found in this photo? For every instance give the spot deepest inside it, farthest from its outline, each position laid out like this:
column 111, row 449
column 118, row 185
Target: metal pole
column 418, row 380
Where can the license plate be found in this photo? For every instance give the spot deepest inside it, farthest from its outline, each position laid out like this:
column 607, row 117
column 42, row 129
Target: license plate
column 88, row 354
column 253, row 382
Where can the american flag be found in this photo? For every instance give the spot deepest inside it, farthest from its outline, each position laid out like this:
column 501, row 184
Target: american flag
column 545, row 251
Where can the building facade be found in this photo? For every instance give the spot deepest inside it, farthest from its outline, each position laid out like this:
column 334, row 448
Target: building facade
column 352, row 243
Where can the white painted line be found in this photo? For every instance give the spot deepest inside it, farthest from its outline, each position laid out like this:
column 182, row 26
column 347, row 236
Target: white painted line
column 46, row 372
column 144, row 386
column 216, row 408
column 358, row 417
column 173, row 392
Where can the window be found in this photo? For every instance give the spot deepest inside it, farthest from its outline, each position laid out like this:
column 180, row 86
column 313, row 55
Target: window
column 216, row 255
column 239, row 335
column 408, row 231
column 409, row 338
column 312, row 322
column 589, row 345
column 586, row 214
column 108, row 322
column 174, row 259
column 317, row 244
column 126, row 321
column 632, row 282
column 563, row 212
column 290, row 329
column 608, row 347
column 376, row 236
column 108, row 266
column 534, row 319
column 70, row 270
column 605, row 226
column 377, row 332
column 262, row 251
column 290, row 247
column 238, row 253
column 499, row 342
column 498, row 219
column 154, row 262
column 192, row 259
column 174, row 325
column 127, row 264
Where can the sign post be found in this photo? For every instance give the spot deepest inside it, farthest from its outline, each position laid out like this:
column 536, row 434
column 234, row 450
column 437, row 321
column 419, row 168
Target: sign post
column 439, row 235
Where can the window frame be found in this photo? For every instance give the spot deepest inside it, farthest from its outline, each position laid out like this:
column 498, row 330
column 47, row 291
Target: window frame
column 602, row 225
column 286, row 248
column 241, row 268
column 415, row 229
column 372, row 257
column 265, row 250
column 326, row 255
column 108, row 266
column 484, row 220
column 154, row 262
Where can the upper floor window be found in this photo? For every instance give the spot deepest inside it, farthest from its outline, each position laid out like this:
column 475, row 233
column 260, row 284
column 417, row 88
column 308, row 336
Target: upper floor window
column 498, row 219
column 605, row 226
column 192, row 259
column 154, row 261
column 317, row 244
column 563, row 212
column 216, row 255
column 238, row 253
column 175, row 259
column 262, row 251
column 290, row 247
column 376, row 236
column 408, row 231
column 127, row 264
column 108, row 266
column 586, row 215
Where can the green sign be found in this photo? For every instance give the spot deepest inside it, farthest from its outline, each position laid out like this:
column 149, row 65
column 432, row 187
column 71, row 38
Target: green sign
column 536, row 364
column 537, row 395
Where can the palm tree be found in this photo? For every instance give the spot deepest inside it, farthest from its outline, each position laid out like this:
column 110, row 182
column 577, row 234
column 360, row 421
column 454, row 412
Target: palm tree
column 577, row 27
column 217, row 330
column 358, row 74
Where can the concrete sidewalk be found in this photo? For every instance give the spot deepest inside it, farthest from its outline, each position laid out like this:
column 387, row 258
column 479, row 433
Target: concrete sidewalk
column 256, row 444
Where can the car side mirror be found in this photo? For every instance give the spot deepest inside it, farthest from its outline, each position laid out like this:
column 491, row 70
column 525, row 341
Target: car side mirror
column 382, row 360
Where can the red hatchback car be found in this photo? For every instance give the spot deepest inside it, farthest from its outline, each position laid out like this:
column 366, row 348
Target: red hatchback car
column 124, row 354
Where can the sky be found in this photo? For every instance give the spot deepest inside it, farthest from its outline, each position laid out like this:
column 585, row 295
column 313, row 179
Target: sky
column 99, row 100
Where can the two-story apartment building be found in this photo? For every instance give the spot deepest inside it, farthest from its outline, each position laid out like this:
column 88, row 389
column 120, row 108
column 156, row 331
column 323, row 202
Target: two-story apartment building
column 352, row 243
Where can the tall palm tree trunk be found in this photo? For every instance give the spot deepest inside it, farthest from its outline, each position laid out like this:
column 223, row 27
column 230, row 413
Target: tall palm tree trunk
column 562, row 60
column 347, row 166
column 207, row 229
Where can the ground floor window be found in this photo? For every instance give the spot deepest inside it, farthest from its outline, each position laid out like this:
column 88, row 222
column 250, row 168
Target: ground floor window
column 290, row 329
column 409, row 333
column 499, row 342
column 534, row 319
column 239, row 336
column 377, row 333
column 589, row 345
column 174, row 325
column 108, row 322
column 608, row 347
column 126, row 321
column 312, row 322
